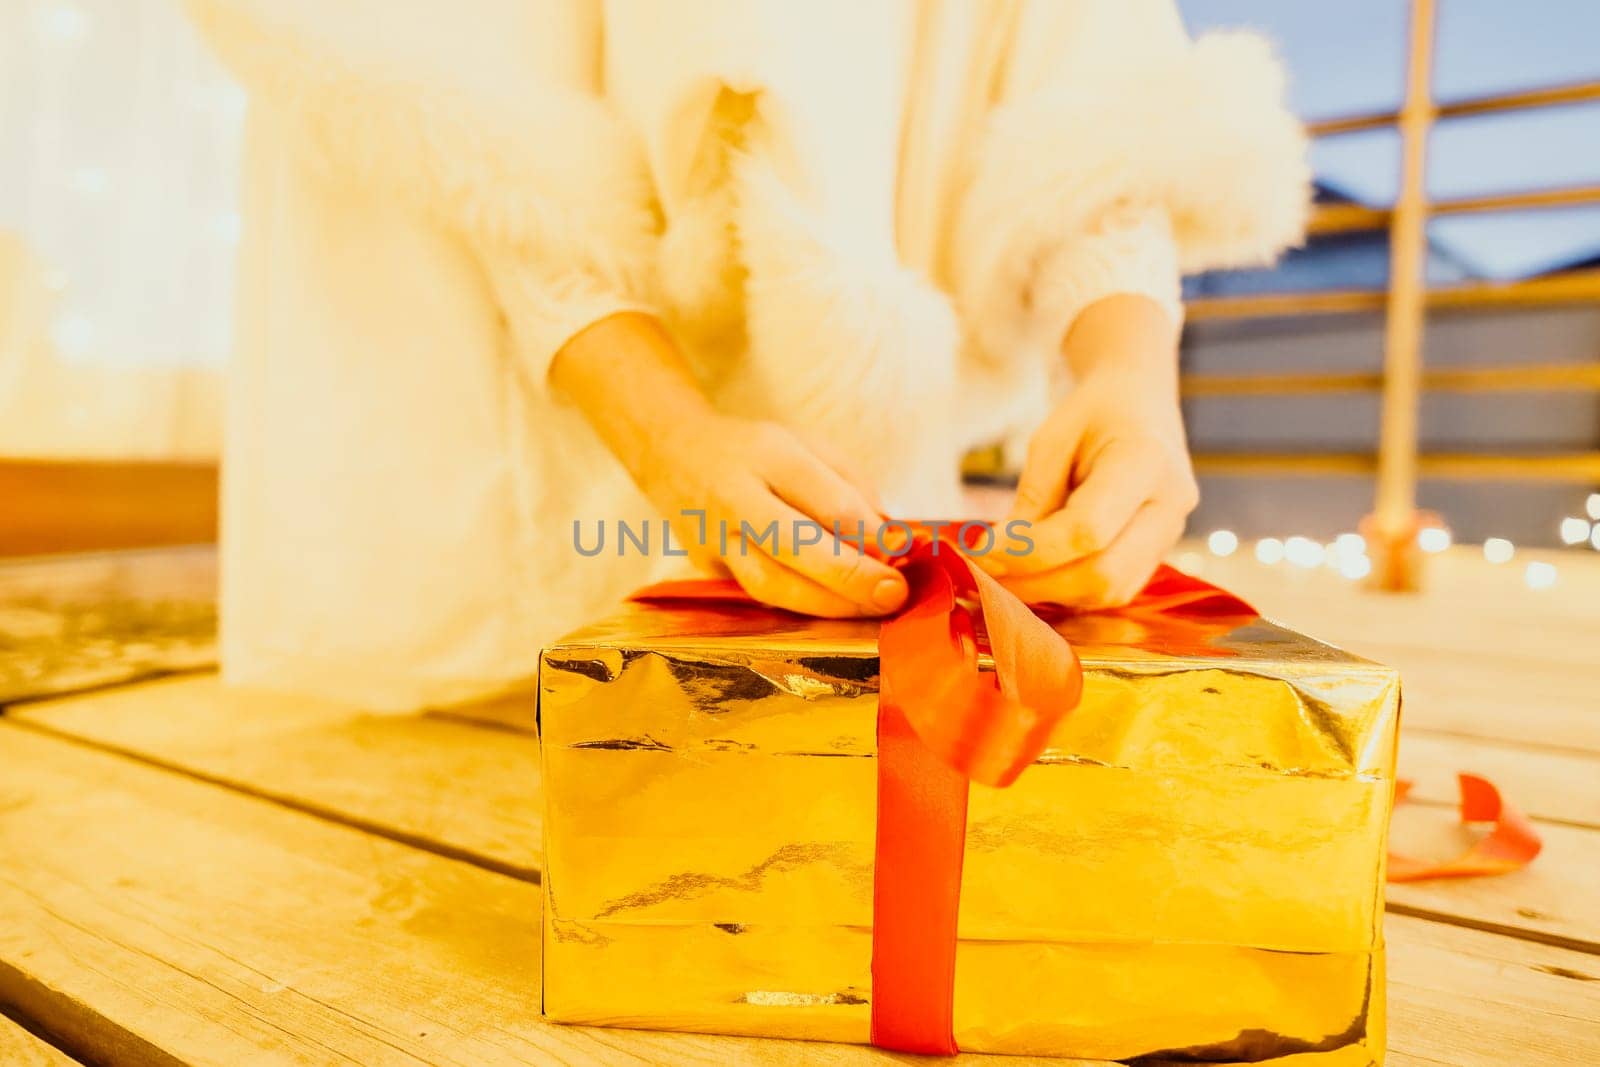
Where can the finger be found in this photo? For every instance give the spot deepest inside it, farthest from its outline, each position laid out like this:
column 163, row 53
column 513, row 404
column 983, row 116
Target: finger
column 764, row 578
column 1121, row 478
column 1046, row 471
column 838, row 524
column 1113, row 576
column 839, row 565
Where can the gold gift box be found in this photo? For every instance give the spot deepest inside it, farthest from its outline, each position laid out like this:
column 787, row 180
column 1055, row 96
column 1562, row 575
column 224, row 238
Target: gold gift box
column 1193, row 870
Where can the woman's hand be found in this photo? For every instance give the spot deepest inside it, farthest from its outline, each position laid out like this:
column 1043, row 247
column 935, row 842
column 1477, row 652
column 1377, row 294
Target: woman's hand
column 1107, row 484
column 754, row 498
column 727, row 484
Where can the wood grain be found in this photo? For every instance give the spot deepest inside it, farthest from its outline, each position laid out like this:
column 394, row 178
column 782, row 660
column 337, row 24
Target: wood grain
column 1476, row 105
column 472, row 793
column 1555, row 899
column 163, row 917
column 1470, row 999
column 1495, row 698
column 163, row 920
column 194, row 917
column 1567, row 287
column 1552, row 786
column 19, row 1048
column 1349, row 217
column 1480, row 654
column 441, row 784
column 1468, row 606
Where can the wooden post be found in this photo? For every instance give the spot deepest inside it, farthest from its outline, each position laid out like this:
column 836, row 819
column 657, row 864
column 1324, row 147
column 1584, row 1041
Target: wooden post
column 1394, row 522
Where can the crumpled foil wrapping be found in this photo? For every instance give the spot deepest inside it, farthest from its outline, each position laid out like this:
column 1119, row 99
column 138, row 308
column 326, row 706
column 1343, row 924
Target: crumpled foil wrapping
column 1193, row 870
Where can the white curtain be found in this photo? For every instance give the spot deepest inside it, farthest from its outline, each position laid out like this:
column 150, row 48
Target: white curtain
column 119, row 148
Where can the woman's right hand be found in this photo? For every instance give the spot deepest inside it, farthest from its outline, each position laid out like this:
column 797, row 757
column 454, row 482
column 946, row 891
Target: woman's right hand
column 711, row 472
column 754, row 498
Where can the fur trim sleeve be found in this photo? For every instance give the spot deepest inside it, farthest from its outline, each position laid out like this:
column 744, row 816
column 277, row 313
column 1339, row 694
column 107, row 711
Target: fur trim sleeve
column 1196, row 131
column 500, row 139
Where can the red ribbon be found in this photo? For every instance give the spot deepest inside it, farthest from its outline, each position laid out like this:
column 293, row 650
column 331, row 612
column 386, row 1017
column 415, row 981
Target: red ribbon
column 942, row 723
column 1509, row 846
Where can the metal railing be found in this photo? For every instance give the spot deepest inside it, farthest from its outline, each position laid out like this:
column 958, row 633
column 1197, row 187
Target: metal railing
column 1397, row 462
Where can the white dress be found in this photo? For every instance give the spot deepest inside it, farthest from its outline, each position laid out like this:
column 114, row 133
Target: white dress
column 872, row 221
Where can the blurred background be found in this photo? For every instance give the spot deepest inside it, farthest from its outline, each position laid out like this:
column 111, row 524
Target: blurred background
column 119, row 152
column 1512, row 339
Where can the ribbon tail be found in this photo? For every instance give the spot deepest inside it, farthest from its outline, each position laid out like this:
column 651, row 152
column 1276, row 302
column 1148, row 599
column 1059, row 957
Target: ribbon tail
column 916, row 891
column 1510, row 846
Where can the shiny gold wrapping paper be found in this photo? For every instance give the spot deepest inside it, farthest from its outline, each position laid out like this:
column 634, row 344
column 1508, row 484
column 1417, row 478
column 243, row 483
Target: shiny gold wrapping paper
column 1193, row 869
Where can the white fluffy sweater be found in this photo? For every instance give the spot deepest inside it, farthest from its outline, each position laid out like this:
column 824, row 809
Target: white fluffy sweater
column 874, row 221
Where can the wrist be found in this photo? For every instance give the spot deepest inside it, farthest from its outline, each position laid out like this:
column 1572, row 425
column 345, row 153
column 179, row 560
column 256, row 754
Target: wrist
column 628, row 377
column 1126, row 334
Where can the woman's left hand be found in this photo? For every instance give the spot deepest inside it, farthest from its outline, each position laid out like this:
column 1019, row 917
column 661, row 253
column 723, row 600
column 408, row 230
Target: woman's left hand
column 1107, row 485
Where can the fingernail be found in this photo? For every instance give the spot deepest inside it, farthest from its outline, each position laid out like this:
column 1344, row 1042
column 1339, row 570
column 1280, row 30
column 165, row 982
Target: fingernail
column 888, row 593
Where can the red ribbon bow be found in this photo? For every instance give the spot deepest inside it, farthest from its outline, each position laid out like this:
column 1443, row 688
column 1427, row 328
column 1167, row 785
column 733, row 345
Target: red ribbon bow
column 943, row 723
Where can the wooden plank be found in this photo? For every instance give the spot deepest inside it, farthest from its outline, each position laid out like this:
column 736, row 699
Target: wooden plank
column 386, row 773
column 1338, row 217
column 73, row 622
column 518, row 713
column 407, row 777
column 1347, row 218
column 1458, row 577
column 1395, row 503
column 160, row 916
column 1571, row 196
column 401, row 776
column 1570, row 287
column 440, row 784
column 1470, row 607
column 1552, row 96
column 1555, row 786
column 83, row 505
column 1469, row 999
column 1455, row 693
column 19, row 1048
column 1282, row 305
column 1197, row 386
column 1552, row 900
column 1532, row 695
column 1524, row 377
column 163, row 920
column 1581, row 467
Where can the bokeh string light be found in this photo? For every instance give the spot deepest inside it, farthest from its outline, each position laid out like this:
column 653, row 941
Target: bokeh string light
column 1347, row 553
column 1225, row 542
column 1433, row 538
column 1303, row 552
column 1269, row 550
column 1498, row 550
column 1574, row 531
column 1540, row 575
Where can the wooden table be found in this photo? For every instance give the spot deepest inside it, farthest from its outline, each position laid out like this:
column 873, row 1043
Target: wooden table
column 195, row 875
